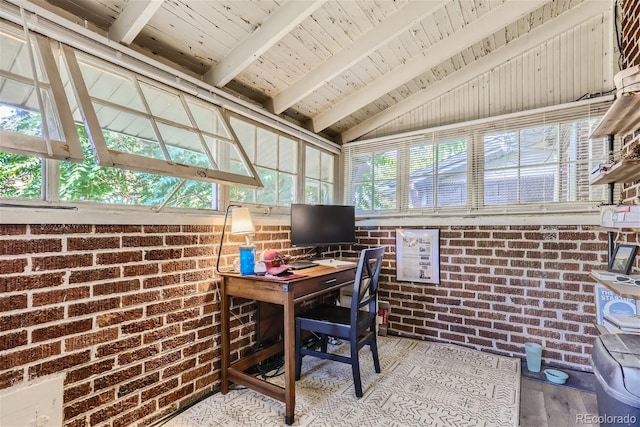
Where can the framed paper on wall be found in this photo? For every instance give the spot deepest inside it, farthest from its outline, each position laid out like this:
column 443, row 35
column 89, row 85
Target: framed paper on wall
column 418, row 255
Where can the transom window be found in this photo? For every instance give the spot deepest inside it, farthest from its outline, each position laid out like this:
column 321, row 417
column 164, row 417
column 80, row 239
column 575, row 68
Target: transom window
column 276, row 159
column 319, row 176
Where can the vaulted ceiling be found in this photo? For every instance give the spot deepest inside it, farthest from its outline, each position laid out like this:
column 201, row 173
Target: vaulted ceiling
column 338, row 68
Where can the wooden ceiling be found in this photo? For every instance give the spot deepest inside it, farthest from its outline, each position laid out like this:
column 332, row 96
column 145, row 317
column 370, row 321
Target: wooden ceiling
column 337, row 68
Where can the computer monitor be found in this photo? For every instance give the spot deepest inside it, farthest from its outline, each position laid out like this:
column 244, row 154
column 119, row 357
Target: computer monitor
column 322, row 225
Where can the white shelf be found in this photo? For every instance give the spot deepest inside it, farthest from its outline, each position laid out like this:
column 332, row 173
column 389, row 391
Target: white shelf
column 627, row 170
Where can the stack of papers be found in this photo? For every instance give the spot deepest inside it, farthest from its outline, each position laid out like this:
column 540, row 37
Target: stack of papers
column 619, row 323
column 333, row 262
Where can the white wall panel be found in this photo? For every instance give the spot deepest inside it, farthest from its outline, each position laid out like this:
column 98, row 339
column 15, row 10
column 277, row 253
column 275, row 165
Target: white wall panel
column 561, row 70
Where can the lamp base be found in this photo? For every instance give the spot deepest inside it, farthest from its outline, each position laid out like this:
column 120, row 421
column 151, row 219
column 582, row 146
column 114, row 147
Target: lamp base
column 247, row 260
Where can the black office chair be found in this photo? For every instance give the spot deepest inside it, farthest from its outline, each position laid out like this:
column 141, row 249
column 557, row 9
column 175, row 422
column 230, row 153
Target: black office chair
column 349, row 323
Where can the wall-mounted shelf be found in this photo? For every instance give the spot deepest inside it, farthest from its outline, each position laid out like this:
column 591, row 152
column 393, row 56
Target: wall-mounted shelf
column 623, row 117
column 627, row 170
column 625, row 291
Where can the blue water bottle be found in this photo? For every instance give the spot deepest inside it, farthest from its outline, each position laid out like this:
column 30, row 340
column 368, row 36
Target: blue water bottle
column 247, row 260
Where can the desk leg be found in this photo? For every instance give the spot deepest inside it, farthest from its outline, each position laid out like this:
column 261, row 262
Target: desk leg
column 226, row 347
column 289, row 359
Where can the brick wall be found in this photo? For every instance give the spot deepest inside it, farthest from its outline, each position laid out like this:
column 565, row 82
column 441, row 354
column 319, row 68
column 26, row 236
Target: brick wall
column 129, row 314
column 501, row 287
column 630, row 26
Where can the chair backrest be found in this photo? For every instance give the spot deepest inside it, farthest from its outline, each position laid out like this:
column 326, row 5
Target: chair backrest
column 365, row 287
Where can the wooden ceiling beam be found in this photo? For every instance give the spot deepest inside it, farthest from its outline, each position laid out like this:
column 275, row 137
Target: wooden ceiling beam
column 367, row 43
column 133, row 19
column 279, row 24
column 470, row 34
column 552, row 28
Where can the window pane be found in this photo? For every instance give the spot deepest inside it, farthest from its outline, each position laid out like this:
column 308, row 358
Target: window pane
column 501, row 187
column 185, row 147
column 326, row 165
column 267, row 195
column 287, row 190
column 160, row 122
column 113, row 87
column 312, row 163
column 385, row 194
column 20, row 176
column 326, row 193
column 421, row 175
column 312, row 192
column 288, row 161
column 385, row 165
column 89, row 182
column 15, row 56
column 246, row 134
column 538, row 146
column 267, row 154
column 195, row 195
column 363, row 196
column 208, row 120
column 452, row 189
column 242, row 194
column 165, row 105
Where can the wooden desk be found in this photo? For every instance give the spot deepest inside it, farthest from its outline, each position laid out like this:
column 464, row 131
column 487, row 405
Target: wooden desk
column 286, row 293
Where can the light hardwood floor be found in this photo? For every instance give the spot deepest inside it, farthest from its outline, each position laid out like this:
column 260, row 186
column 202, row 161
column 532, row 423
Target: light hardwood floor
column 543, row 404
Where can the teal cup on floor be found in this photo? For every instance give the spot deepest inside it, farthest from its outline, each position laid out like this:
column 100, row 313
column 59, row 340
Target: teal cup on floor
column 534, row 356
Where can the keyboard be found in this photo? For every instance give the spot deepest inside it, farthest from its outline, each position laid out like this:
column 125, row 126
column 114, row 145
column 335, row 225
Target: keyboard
column 299, row 265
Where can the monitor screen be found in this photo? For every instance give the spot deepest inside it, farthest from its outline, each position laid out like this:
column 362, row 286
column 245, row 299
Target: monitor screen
column 322, row 225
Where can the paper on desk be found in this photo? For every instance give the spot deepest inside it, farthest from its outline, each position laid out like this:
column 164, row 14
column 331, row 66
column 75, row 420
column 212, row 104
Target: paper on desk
column 333, row 262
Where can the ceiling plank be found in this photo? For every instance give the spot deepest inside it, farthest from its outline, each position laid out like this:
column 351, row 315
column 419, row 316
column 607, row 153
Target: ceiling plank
column 537, row 36
column 472, row 33
column 364, row 45
column 133, row 19
column 280, row 23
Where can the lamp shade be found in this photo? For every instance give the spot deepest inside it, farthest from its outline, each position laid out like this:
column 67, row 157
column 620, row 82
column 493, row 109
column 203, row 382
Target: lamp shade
column 241, row 222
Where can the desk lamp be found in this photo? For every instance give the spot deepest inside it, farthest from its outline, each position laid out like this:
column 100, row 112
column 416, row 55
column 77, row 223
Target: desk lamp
column 241, row 224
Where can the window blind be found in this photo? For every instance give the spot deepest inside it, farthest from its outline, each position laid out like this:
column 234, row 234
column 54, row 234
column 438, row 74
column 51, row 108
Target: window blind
column 526, row 162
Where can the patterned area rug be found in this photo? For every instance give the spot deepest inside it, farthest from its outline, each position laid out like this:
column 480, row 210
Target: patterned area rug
column 421, row 384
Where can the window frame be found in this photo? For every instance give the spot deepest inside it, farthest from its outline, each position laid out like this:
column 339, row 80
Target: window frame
column 474, row 132
column 108, row 157
column 43, row 146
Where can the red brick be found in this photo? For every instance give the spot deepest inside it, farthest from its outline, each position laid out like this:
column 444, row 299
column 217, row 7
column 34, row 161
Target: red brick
column 60, row 330
column 91, row 339
column 62, row 262
column 89, row 307
column 12, row 340
column 11, row 266
column 60, row 295
column 25, row 283
column 30, row 246
column 59, row 364
column 31, row 318
column 92, row 243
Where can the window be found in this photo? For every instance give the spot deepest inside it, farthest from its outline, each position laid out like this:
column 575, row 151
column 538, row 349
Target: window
column 77, row 128
column 35, row 117
column 438, row 172
column 275, row 157
column 541, row 165
column 138, row 124
column 373, row 185
column 522, row 162
column 319, row 177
